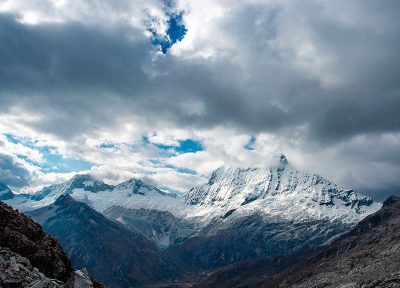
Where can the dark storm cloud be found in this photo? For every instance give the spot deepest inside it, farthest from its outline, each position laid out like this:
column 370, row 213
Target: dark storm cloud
column 70, row 73
column 77, row 75
column 13, row 172
column 366, row 56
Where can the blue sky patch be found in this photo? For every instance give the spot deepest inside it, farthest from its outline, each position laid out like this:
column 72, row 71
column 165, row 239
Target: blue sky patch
column 175, row 32
column 57, row 163
column 12, row 138
column 250, row 144
column 185, row 146
column 189, row 145
column 181, row 170
column 53, row 161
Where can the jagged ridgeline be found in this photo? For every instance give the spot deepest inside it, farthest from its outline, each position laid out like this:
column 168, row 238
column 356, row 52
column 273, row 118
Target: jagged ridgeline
column 239, row 214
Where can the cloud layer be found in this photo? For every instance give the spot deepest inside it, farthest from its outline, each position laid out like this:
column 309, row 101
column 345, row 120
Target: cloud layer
column 319, row 81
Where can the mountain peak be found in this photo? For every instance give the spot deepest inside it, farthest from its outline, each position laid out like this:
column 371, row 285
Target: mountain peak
column 137, row 186
column 86, row 182
column 282, row 159
column 82, row 177
column 131, row 183
column 64, row 199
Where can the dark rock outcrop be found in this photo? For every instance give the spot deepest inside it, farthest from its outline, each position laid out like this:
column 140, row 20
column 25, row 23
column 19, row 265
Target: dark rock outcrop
column 21, row 235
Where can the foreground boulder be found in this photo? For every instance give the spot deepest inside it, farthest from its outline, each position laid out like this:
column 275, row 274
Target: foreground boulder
column 17, row 271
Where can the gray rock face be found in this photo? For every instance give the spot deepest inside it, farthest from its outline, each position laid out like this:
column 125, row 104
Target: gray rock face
column 17, row 271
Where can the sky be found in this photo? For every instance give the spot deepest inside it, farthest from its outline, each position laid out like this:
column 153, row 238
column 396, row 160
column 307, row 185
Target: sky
column 167, row 91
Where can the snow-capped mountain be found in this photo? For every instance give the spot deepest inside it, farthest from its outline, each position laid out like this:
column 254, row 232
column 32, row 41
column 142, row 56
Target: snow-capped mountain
column 277, row 194
column 254, row 212
column 131, row 194
column 49, row 194
column 281, row 190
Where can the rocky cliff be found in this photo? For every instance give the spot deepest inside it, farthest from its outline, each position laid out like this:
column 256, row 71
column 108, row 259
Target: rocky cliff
column 23, row 236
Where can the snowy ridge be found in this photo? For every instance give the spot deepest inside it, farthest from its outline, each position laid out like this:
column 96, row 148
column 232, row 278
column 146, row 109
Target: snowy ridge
column 131, row 194
column 279, row 191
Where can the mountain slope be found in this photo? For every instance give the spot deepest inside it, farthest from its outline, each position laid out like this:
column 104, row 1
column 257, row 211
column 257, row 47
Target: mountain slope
column 368, row 256
column 115, row 255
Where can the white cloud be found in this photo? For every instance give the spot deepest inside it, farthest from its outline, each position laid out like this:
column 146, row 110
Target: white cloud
column 314, row 80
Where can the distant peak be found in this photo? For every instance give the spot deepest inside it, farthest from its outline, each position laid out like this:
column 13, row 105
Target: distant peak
column 64, row 199
column 131, row 182
column 86, row 182
column 282, row 160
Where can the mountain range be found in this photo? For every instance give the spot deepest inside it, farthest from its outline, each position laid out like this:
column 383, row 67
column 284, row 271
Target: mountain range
column 134, row 233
